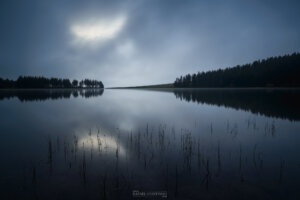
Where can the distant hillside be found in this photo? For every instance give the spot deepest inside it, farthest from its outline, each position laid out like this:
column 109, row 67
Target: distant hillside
column 168, row 85
column 281, row 71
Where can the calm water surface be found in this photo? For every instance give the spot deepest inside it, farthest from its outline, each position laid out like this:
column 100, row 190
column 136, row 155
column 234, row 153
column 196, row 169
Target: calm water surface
column 146, row 144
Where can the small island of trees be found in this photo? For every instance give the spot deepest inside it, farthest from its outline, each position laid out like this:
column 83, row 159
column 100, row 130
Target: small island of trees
column 281, row 71
column 39, row 82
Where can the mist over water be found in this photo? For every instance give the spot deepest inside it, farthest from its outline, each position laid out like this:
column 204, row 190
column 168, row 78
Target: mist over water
column 184, row 143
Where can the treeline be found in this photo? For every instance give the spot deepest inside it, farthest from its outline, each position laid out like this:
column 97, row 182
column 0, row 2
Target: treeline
column 281, row 71
column 42, row 82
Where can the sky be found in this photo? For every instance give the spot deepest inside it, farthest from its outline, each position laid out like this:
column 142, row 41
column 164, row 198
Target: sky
column 141, row 42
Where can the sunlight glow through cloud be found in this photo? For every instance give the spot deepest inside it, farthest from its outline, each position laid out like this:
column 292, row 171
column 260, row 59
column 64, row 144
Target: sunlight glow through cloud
column 100, row 30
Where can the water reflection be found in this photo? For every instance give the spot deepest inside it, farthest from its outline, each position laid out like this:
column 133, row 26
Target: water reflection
column 102, row 142
column 46, row 94
column 104, row 148
column 280, row 103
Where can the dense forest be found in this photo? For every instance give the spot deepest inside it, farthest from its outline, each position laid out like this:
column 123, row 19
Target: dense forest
column 42, row 82
column 281, row 71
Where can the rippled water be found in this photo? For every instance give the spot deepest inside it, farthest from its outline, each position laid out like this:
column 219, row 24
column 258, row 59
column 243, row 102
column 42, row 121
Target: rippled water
column 139, row 144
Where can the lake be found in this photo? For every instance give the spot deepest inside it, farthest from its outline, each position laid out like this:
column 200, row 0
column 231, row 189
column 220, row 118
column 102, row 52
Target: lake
column 150, row 144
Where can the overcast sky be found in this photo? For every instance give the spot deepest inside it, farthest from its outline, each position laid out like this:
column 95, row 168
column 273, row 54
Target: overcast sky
column 139, row 42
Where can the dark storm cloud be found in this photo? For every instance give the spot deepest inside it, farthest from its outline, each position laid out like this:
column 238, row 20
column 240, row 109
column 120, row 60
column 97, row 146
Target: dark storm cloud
column 157, row 40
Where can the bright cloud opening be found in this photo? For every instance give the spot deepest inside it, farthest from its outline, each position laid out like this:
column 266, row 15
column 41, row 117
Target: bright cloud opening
column 99, row 30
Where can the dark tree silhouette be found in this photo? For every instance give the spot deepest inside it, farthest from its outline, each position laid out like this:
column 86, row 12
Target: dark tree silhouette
column 75, row 83
column 5, row 83
column 67, row 83
column 42, row 82
column 281, row 71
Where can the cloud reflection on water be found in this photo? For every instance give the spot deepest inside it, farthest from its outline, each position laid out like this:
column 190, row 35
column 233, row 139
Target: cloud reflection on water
column 105, row 143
